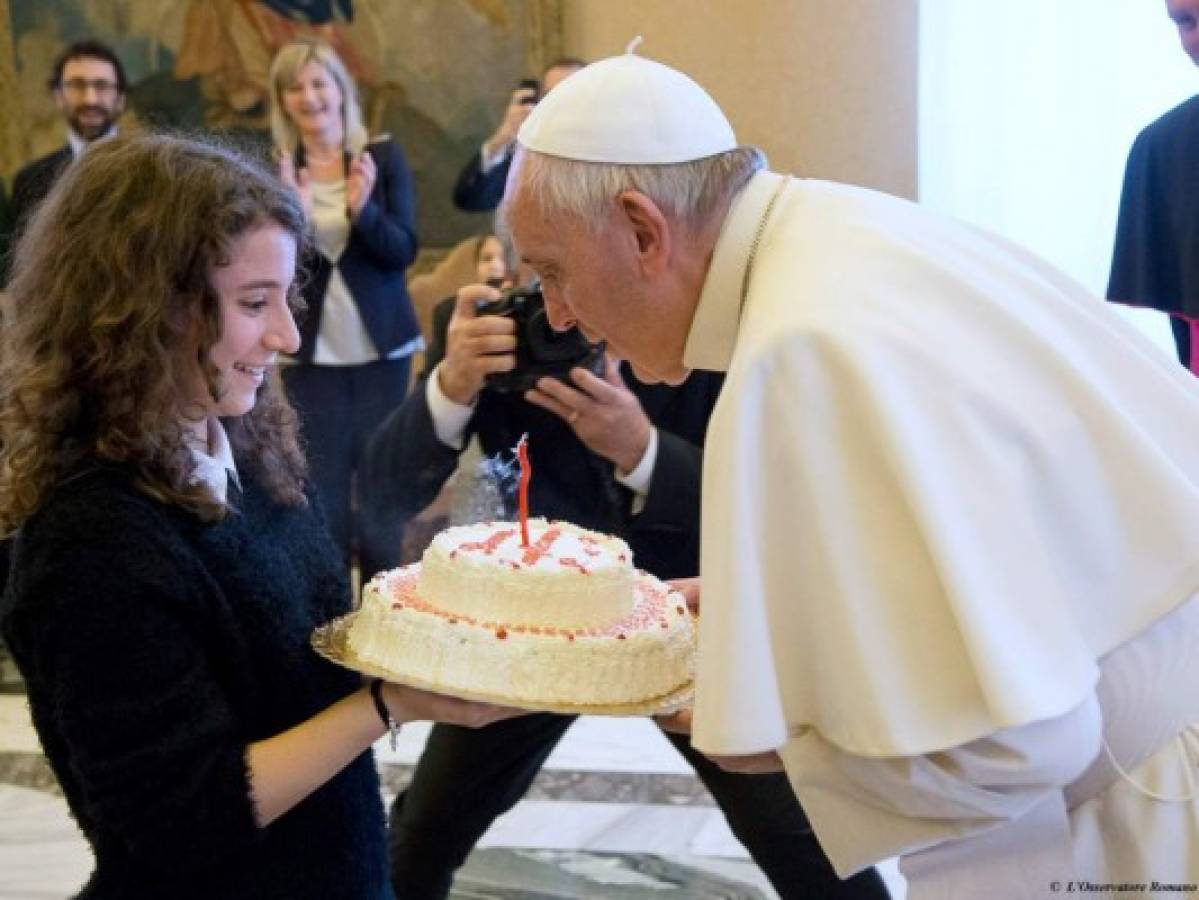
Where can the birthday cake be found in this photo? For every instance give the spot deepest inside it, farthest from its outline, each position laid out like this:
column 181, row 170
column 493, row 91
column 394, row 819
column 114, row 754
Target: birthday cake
column 561, row 618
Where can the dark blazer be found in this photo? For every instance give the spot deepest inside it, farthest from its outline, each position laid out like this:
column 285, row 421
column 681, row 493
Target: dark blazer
column 479, row 191
column 6, row 233
column 1155, row 261
column 33, row 183
column 406, row 464
column 381, row 247
column 29, row 188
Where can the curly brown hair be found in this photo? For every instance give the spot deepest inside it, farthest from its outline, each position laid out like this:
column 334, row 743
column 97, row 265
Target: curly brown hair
column 111, row 307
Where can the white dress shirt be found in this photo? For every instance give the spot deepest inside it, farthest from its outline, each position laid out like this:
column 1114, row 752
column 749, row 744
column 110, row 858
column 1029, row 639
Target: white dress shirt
column 450, row 420
column 215, row 467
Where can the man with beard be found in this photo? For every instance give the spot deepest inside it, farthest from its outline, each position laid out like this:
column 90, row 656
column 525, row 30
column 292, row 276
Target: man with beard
column 89, row 85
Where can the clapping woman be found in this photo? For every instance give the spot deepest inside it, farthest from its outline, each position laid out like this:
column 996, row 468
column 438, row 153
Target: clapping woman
column 360, row 329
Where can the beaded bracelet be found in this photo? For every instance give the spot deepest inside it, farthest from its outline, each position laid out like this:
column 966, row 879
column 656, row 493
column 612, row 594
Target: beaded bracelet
column 393, row 727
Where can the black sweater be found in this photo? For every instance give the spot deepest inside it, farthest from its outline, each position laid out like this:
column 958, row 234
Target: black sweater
column 155, row 648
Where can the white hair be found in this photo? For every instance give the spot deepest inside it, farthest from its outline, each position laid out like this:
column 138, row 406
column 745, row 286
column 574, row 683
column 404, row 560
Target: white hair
column 690, row 192
column 287, row 62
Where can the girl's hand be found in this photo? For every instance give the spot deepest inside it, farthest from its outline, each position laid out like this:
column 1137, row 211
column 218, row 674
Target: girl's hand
column 409, row 704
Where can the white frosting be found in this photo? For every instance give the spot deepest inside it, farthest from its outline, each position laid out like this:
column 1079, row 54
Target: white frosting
column 566, row 576
column 647, row 653
column 563, row 620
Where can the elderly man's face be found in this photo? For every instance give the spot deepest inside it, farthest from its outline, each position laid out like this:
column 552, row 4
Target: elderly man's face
column 593, row 280
column 1185, row 14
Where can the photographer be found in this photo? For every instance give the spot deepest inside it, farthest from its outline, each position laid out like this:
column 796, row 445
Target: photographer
column 618, row 457
column 480, row 186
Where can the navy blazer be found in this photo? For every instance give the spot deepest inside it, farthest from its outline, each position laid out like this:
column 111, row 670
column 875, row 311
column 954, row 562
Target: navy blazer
column 1155, row 261
column 406, row 464
column 6, row 234
column 479, row 191
column 382, row 245
column 29, row 188
column 33, row 183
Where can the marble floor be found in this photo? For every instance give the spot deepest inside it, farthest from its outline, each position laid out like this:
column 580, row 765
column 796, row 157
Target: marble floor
column 616, row 813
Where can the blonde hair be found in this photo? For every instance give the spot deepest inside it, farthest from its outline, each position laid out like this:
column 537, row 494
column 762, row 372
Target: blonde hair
column 287, row 62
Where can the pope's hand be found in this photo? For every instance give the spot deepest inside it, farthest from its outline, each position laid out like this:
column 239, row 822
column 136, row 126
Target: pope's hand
column 676, row 723
column 753, row 764
column 689, row 588
column 476, row 346
column 604, row 413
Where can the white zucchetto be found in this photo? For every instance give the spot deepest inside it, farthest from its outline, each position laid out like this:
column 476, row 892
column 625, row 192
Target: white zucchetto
column 628, row 110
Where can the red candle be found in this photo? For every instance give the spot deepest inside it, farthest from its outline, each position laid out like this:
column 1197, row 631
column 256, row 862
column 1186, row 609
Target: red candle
column 526, row 472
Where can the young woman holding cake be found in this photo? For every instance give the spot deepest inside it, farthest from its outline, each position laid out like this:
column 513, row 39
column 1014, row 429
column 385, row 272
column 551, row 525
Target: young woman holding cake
column 170, row 563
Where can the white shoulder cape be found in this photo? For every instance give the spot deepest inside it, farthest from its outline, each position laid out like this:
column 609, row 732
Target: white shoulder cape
column 940, row 482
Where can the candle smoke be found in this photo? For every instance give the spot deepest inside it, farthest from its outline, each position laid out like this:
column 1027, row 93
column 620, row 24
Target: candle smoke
column 484, row 489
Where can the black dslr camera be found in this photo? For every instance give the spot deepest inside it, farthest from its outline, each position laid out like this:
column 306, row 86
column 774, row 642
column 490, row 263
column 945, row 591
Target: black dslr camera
column 540, row 350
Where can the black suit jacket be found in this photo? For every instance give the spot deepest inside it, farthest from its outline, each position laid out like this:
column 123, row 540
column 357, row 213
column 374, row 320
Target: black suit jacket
column 381, row 247
column 34, row 181
column 479, row 191
column 406, row 464
column 5, row 232
column 1155, row 261
column 29, row 188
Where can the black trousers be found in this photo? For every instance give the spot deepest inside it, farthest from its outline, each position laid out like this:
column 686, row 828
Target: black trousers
column 466, row 778
column 340, row 407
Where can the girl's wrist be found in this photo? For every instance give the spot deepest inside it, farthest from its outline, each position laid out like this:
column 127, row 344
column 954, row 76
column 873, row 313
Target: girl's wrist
column 376, row 691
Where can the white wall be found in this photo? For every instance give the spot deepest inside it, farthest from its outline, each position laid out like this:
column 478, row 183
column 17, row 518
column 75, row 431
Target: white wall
column 826, row 87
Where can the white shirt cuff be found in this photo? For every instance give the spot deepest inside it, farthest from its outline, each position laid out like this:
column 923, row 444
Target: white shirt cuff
column 638, row 480
column 449, row 418
column 488, row 161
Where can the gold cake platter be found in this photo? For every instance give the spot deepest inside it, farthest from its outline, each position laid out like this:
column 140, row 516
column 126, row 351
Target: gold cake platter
column 331, row 641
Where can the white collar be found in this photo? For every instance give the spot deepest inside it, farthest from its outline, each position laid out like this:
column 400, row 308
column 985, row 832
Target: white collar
column 717, row 316
column 78, row 144
column 215, row 468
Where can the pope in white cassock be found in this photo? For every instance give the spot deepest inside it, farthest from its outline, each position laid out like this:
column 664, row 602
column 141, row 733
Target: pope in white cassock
column 950, row 545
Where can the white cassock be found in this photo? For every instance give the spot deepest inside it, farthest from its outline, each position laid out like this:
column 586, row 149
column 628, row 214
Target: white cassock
column 950, row 550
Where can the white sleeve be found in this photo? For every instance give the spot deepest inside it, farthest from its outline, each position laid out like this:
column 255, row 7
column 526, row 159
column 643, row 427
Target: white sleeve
column 639, row 479
column 867, row 809
column 449, row 418
column 488, row 161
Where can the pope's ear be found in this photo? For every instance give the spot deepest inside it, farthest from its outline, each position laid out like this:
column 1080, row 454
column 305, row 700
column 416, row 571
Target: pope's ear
column 648, row 225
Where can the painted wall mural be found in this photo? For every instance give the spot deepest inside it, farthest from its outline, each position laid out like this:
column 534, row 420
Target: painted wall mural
column 434, row 74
